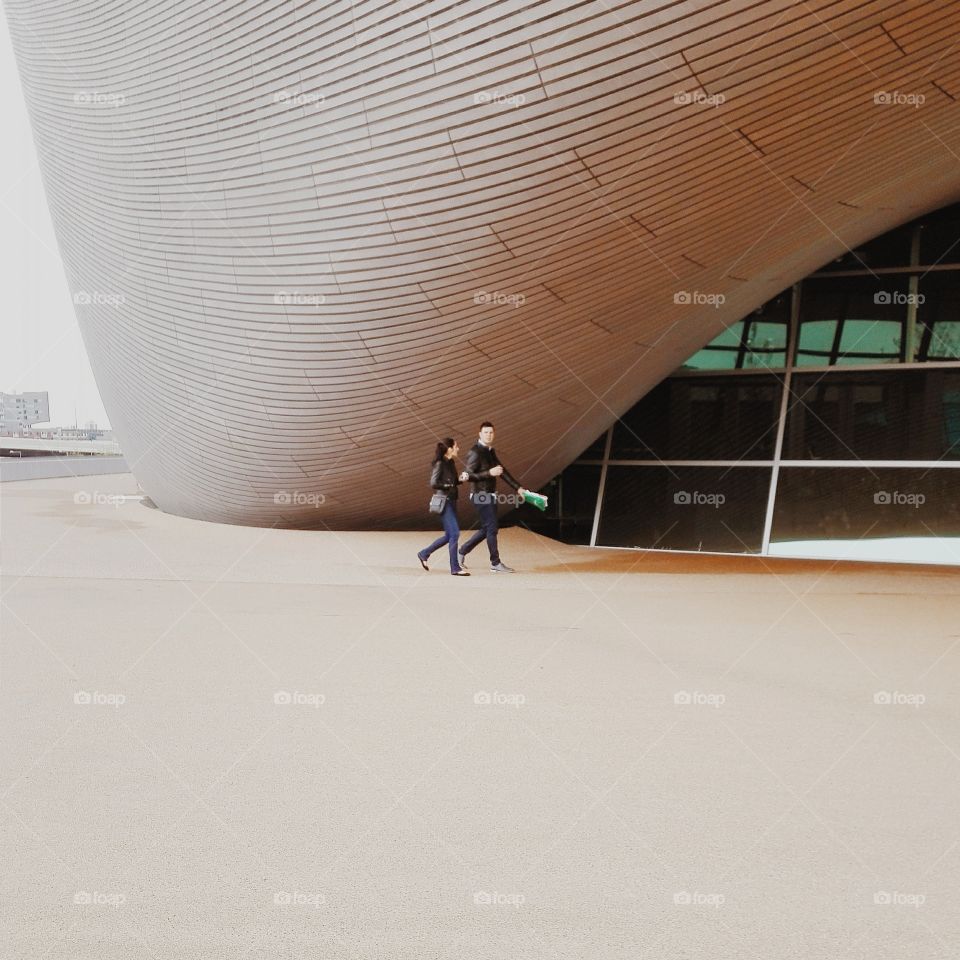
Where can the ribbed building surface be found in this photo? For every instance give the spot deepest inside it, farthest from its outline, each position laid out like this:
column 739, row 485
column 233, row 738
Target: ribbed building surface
column 306, row 239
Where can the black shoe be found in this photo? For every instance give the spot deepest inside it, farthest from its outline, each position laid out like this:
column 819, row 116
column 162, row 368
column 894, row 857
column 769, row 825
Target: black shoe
column 423, row 563
column 460, row 573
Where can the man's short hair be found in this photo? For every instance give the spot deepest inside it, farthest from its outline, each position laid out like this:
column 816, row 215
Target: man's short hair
column 485, row 424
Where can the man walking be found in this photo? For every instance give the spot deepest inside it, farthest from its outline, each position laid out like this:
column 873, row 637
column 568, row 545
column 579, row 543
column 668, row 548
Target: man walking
column 482, row 469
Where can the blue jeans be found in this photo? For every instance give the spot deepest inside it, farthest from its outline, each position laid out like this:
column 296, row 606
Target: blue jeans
column 451, row 534
column 487, row 512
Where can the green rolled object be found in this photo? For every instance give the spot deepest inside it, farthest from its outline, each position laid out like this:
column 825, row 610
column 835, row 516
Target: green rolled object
column 537, row 500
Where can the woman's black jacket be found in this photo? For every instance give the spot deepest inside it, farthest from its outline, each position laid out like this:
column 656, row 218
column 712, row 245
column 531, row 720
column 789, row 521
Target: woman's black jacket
column 444, row 477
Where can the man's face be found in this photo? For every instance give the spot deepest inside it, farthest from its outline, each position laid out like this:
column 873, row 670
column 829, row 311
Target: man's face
column 486, row 435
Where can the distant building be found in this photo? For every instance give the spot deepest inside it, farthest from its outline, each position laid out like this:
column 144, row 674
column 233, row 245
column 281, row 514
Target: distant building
column 20, row 411
column 90, row 432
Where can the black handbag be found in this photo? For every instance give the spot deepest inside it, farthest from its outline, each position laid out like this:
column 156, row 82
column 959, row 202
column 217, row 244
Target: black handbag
column 438, row 501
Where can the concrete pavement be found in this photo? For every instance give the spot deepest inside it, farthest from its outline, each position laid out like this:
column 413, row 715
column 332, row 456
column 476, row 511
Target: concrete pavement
column 236, row 742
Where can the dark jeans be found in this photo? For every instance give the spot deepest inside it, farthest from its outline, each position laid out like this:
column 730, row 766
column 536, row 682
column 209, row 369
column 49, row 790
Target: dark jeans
column 487, row 512
column 451, row 534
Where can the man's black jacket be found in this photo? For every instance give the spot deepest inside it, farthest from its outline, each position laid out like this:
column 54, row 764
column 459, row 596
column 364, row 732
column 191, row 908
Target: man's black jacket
column 479, row 461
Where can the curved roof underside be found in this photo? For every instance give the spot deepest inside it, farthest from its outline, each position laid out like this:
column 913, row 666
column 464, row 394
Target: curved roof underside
column 310, row 238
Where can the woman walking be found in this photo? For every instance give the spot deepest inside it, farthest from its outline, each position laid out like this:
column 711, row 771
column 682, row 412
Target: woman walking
column 444, row 480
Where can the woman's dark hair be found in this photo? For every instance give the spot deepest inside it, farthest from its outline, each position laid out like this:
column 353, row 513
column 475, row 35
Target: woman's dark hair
column 442, row 447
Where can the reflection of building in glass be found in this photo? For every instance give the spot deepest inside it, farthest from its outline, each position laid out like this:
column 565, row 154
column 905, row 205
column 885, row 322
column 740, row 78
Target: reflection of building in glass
column 857, row 437
column 20, row 411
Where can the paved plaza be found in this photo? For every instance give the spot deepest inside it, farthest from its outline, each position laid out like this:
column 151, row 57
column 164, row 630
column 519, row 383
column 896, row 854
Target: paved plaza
column 235, row 742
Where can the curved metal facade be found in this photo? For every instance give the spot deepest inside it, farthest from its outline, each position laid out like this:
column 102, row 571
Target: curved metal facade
column 306, row 239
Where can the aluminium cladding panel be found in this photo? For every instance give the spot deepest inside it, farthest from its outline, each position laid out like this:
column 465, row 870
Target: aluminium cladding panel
column 315, row 236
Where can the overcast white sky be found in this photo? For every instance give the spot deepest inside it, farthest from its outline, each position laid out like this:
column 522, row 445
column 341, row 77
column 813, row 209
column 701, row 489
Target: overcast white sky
column 40, row 343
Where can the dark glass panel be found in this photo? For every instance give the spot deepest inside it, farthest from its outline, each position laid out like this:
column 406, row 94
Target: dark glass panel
column 940, row 237
column 889, row 250
column 702, row 418
column 938, row 316
column 685, row 508
column 827, row 503
column 875, row 415
column 596, row 449
column 573, row 502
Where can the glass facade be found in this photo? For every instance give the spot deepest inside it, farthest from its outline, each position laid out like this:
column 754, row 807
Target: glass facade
column 874, row 415
column 702, row 418
column 684, row 508
column 854, row 503
column 827, row 418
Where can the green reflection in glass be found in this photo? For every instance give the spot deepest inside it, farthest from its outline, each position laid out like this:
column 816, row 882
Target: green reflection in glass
column 945, row 341
column 766, row 345
column 720, row 353
column 816, row 336
column 862, row 340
